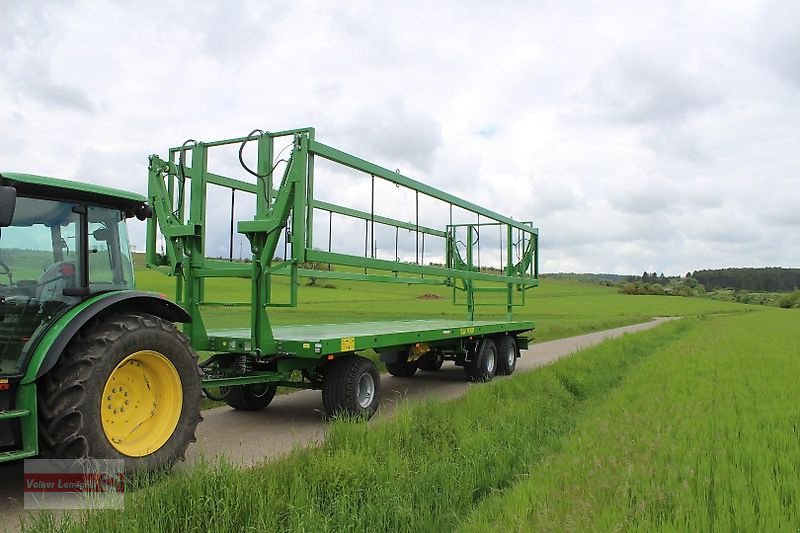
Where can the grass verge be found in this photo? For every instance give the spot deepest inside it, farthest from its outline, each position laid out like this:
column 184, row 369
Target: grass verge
column 703, row 436
column 425, row 469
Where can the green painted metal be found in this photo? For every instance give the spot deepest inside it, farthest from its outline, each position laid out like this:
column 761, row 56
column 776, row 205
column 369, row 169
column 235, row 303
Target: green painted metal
column 290, row 203
column 26, row 400
column 14, row 413
column 26, row 413
column 81, row 187
column 317, row 340
column 53, row 332
column 279, row 378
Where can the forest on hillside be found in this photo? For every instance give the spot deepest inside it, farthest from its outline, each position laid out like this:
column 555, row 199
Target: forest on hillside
column 769, row 279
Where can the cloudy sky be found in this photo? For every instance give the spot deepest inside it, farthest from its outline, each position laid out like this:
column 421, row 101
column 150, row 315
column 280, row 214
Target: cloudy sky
column 659, row 136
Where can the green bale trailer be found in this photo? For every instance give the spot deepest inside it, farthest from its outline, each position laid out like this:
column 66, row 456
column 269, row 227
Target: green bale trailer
column 91, row 367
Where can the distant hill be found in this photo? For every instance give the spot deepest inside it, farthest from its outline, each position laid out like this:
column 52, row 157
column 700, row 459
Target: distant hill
column 768, row 279
column 598, row 279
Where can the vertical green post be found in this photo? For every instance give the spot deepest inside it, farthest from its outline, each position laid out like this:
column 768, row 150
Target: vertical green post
column 195, row 245
column 266, row 145
column 470, row 283
column 509, row 271
column 151, row 242
column 264, row 168
column 300, row 175
column 26, row 399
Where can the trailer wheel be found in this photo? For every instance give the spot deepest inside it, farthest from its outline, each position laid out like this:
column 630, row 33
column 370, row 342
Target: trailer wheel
column 402, row 369
column 483, row 365
column 250, row 397
column 351, row 387
column 430, row 362
column 127, row 387
column 506, row 355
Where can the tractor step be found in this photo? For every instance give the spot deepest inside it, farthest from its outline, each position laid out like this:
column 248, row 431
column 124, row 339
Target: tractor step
column 17, row 413
column 16, row 455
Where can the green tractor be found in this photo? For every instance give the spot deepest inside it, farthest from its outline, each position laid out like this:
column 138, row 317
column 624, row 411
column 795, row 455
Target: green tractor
column 89, row 367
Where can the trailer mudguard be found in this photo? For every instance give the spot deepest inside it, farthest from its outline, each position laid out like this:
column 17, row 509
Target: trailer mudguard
column 53, row 342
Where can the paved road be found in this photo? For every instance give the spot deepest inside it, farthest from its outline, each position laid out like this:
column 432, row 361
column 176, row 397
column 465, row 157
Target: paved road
column 294, row 420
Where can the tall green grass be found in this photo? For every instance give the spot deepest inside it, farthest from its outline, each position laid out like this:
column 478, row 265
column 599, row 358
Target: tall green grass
column 425, row 469
column 703, row 436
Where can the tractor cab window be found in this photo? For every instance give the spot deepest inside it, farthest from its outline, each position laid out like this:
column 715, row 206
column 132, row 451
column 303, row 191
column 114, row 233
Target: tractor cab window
column 110, row 265
column 39, row 258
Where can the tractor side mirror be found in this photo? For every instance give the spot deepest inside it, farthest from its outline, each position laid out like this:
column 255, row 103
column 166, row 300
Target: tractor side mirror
column 8, row 201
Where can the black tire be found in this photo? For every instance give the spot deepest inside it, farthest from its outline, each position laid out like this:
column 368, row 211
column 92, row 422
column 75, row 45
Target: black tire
column 250, row 397
column 402, row 369
column 351, row 387
column 483, row 364
column 430, row 362
column 216, row 394
column 507, row 353
column 71, row 423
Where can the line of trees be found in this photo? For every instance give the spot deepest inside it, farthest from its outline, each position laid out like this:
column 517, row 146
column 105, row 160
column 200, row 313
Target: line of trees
column 769, row 279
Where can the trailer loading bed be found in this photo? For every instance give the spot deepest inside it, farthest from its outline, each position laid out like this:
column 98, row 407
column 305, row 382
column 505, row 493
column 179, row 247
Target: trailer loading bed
column 316, row 340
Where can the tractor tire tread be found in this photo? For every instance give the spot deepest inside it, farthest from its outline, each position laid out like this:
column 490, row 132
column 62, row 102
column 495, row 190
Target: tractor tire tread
column 63, row 391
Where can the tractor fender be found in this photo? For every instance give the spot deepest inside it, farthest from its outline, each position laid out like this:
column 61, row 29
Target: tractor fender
column 50, row 346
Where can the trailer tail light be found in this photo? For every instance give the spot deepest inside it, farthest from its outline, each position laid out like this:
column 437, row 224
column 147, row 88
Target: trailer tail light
column 67, row 269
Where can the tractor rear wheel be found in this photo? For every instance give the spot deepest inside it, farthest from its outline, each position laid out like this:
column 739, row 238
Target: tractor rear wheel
column 250, row 397
column 351, row 387
column 126, row 387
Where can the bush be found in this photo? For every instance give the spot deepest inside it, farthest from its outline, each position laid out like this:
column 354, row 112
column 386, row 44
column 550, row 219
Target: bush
column 790, row 301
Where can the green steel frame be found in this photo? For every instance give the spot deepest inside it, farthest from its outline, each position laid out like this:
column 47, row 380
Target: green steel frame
column 292, row 205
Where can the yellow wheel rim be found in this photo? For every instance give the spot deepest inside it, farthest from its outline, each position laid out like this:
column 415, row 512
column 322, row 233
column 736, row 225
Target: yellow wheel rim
column 142, row 403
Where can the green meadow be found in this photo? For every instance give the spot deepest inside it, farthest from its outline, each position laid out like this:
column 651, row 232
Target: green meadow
column 559, row 308
column 703, row 435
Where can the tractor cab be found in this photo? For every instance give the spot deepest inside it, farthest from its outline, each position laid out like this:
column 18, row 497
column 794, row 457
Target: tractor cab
column 60, row 242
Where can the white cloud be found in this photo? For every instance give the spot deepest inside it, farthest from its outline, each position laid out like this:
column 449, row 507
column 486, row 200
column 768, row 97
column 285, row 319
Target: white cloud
column 655, row 136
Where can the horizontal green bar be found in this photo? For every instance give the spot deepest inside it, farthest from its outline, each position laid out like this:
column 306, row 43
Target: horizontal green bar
column 379, row 219
column 225, row 272
column 370, row 168
column 226, row 304
column 231, row 183
column 235, row 140
column 16, row 455
column 355, row 276
column 17, row 413
column 394, row 266
column 182, row 230
column 239, row 140
column 284, row 133
column 270, row 377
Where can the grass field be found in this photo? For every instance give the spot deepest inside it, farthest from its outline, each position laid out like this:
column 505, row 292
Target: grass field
column 702, row 436
column 559, row 308
column 691, row 426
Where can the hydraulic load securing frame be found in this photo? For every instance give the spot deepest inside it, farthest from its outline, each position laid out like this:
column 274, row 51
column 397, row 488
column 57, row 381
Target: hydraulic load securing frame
column 286, row 207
